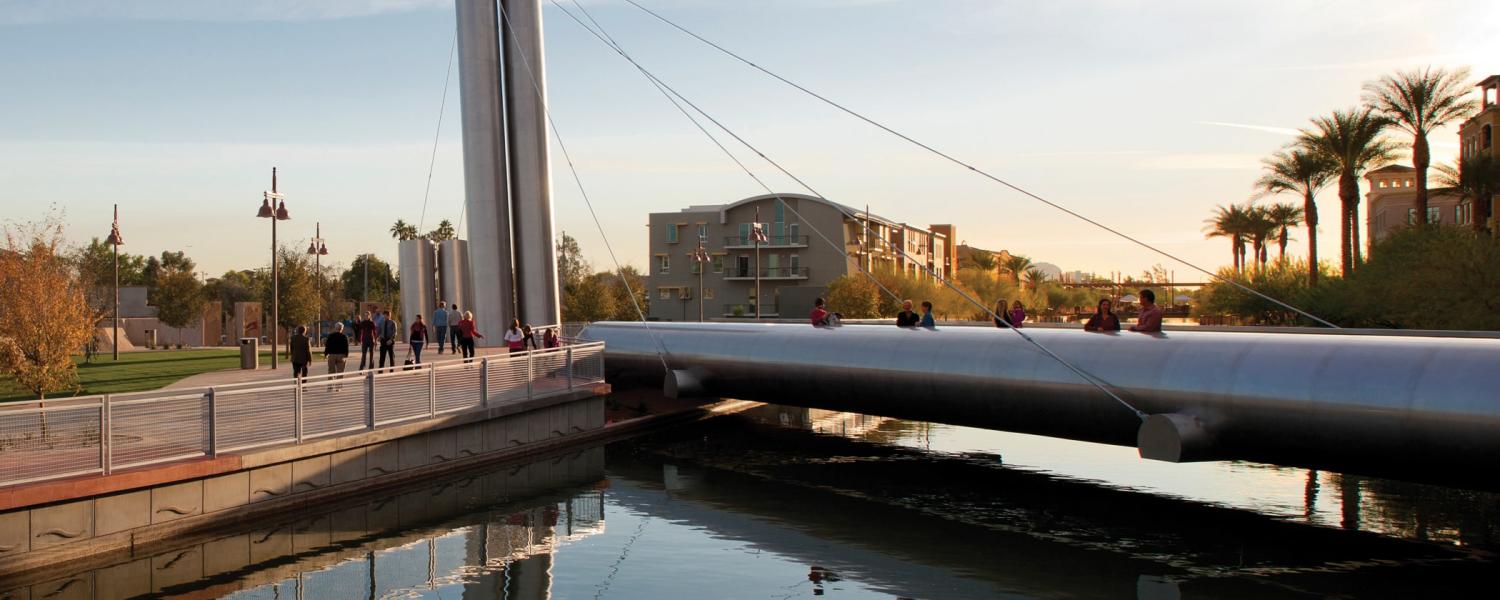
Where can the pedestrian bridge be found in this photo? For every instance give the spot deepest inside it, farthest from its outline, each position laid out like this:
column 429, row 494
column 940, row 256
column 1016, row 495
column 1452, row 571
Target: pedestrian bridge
column 1405, row 406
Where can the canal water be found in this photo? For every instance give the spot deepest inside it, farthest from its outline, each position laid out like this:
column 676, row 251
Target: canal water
column 782, row 502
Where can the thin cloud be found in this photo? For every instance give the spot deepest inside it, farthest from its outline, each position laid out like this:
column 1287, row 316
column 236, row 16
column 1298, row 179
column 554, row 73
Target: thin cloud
column 20, row 12
column 1265, row 128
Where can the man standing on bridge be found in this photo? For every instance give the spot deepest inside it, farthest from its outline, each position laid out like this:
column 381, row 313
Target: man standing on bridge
column 1150, row 319
column 440, row 326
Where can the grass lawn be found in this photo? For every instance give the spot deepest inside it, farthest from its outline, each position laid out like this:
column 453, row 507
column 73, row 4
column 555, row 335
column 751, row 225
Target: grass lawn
column 138, row 371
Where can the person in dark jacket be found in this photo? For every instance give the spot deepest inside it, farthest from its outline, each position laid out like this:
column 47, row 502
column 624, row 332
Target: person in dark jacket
column 336, row 349
column 388, row 331
column 907, row 317
column 364, row 331
column 1002, row 314
column 1104, row 318
column 418, row 338
column 301, row 352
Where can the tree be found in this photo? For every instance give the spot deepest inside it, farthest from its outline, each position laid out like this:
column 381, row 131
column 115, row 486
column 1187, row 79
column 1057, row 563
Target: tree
column 1232, row 222
column 1476, row 179
column 984, row 259
column 443, row 232
column 1035, row 277
column 854, row 296
column 590, row 299
column 297, row 291
column 45, row 319
column 155, row 267
column 403, row 231
column 382, row 279
column 1298, row 171
column 1352, row 140
column 179, row 299
column 1016, row 265
column 1419, row 101
column 96, row 272
column 1284, row 217
column 571, row 267
column 623, row 285
column 235, row 286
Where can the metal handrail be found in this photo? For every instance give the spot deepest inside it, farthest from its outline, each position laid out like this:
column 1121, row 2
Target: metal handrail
column 88, row 444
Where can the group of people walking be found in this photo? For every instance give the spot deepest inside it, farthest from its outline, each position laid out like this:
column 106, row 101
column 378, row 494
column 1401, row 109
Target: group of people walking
column 1014, row 315
column 376, row 333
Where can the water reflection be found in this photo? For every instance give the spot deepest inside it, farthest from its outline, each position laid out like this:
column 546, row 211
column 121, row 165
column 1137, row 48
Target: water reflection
column 798, row 503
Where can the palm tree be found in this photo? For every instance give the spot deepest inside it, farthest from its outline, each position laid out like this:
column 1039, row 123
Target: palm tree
column 1260, row 229
column 1351, row 139
column 1284, row 216
column 1419, row 101
column 1476, row 179
column 443, row 232
column 1230, row 222
column 1016, row 265
column 1036, row 277
column 1297, row 171
column 403, row 231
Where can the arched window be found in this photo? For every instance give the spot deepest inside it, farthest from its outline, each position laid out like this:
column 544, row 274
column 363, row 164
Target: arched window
column 1485, row 137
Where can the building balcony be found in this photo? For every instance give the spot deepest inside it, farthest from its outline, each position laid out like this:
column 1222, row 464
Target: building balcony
column 735, row 242
column 766, row 274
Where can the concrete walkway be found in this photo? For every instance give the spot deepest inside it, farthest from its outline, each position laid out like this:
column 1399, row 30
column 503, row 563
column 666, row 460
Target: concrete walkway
column 318, row 367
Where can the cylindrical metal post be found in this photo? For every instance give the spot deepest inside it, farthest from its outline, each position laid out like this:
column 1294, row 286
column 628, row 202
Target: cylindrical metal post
column 213, row 422
column 106, row 435
column 568, row 356
column 486, row 170
column 431, row 391
column 297, row 407
column 370, row 400
column 484, row 381
column 531, row 177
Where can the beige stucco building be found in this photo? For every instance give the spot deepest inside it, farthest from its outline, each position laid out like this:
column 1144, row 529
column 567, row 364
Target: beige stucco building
column 798, row 260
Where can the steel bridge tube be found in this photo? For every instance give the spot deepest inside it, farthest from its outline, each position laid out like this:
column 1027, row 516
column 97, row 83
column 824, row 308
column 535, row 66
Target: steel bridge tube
column 1408, row 407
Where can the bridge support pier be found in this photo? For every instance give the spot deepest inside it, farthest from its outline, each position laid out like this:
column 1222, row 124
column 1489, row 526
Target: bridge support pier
column 1175, row 438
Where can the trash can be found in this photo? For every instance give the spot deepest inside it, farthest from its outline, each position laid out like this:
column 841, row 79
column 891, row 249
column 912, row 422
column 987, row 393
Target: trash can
column 249, row 353
column 151, row 338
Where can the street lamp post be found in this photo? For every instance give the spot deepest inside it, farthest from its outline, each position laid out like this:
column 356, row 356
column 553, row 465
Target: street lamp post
column 115, row 239
column 700, row 256
column 318, row 250
column 277, row 214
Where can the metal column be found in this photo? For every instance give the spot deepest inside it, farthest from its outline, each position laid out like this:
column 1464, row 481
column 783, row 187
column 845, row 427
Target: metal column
column 486, row 166
column 531, row 181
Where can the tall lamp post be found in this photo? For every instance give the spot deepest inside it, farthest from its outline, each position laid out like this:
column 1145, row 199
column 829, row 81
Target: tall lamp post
column 115, row 239
column 277, row 214
column 700, row 256
column 758, row 236
column 318, row 250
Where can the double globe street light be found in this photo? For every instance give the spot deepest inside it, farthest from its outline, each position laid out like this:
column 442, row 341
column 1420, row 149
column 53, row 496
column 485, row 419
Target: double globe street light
column 277, row 214
column 318, row 250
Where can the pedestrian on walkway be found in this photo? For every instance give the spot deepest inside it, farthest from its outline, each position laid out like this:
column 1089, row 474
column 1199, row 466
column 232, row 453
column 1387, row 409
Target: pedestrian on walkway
column 364, row 329
column 387, row 339
column 440, row 326
column 515, row 340
column 1017, row 314
column 466, row 334
column 1002, row 314
column 336, row 349
column 417, row 338
column 549, row 338
column 454, row 316
column 301, row 352
column 927, row 320
column 528, row 338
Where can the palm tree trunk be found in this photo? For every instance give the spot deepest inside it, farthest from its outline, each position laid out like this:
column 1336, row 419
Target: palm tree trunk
column 1354, row 226
column 1281, row 252
column 1346, row 185
column 1311, row 208
column 1420, row 159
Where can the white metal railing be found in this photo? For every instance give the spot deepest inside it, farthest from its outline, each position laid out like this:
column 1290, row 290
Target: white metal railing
column 42, row 440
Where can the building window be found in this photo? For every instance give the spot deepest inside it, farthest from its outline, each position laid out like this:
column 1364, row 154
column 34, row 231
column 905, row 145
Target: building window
column 666, row 293
column 1382, row 184
column 793, row 262
column 672, row 233
column 708, row 293
column 694, row 266
column 1485, row 139
column 1411, row 216
column 1464, row 213
column 719, row 264
column 791, row 230
column 666, row 263
column 702, row 233
column 744, row 234
column 1434, row 215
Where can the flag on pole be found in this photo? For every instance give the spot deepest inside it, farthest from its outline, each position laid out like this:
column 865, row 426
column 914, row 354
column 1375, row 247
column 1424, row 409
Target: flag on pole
column 758, row 234
column 115, row 239
column 701, row 254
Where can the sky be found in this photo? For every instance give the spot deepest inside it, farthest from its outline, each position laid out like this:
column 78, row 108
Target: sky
column 1141, row 115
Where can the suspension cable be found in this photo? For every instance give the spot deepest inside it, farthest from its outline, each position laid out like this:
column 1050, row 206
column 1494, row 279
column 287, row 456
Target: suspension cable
column 1089, row 378
column 661, row 352
column 977, row 170
column 442, row 107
